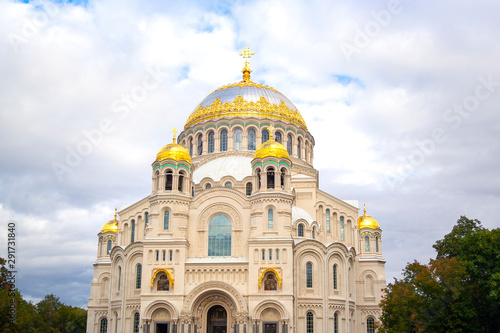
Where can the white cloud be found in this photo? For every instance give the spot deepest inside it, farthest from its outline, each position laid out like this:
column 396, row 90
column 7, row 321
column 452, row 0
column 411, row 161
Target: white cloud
column 63, row 78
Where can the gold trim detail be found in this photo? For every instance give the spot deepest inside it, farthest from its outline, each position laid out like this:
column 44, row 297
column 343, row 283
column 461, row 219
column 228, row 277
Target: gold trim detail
column 269, row 270
column 240, row 107
column 170, row 278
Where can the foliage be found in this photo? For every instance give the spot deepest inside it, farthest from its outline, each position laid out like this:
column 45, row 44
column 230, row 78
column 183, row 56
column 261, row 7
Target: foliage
column 456, row 292
column 47, row 316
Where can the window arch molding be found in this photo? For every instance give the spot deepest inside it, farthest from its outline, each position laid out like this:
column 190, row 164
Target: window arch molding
column 251, row 133
column 237, row 133
column 203, row 223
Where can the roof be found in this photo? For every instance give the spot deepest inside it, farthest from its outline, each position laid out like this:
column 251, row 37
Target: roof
column 299, row 213
column 238, row 167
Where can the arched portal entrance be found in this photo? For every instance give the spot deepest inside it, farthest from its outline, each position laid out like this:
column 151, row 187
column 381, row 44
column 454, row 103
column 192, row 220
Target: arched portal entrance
column 217, row 320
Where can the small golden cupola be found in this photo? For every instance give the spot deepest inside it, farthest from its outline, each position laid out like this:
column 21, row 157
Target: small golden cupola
column 173, row 151
column 366, row 221
column 111, row 225
column 271, row 148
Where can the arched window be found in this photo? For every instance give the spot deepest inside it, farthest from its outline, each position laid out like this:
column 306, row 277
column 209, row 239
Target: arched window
column 181, row 181
column 200, row 144
column 138, row 276
column 211, row 142
column 223, row 140
column 328, row 221
column 309, row 275
column 228, row 184
column 314, row 233
column 219, row 236
column 168, row 181
column 278, row 137
column 119, row 277
column 157, row 255
column 270, row 178
column 237, row 138
column 270, row 254
column 170, row 255
column 116, row 322
column 282, row 177
column 270, row 219
column 336, row 323
column 166, row 220
column 265, row 136
column 249, row 189
column 299, row 148
column 136, row 322
column 258, row 177
column 342, row 233
column 163, row 254
column 108, row 251
column 191, row 147
column 335, row 283
column 251, row 139
column 104, row 325
column 132, row 233
column 208, row 186
column 367, row 244
column 289, row 144
column 277, row 254
column 306, row 157
column 310, row 323
column 376, row 244
column 146, row 217
column 263, row 255
column 370, row 325
column 192, row 191
column 301, row 230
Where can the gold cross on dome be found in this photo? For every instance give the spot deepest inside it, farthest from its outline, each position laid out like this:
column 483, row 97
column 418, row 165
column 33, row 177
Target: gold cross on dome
column 271, row 129
column 175, row 132
column 246, row 53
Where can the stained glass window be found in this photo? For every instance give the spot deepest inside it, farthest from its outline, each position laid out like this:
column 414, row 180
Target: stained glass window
column 265, row 136
column 310, row 323
column 237, row 139
column 166, row 220
column 211, row 142
column 251, row 139
column 219, row 236
column 328, row 221
column 309, row 275
column 104, row 325
column 138, row 277
column 223, row 140
column 342, row 234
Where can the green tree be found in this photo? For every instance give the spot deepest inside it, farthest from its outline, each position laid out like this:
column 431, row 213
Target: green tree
column 47, row 316
column 456, row 292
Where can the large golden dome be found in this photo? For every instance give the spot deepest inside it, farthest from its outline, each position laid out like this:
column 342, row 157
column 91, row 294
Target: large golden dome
column 246, row 99
column 366, row 221
column 174, row 152
column 111, row 225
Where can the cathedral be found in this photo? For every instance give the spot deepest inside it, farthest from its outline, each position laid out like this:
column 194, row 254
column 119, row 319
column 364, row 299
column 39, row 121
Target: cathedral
column 236, row 235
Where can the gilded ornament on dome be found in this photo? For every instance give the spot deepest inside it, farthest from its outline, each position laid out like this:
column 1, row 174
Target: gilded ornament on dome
column 240, row 107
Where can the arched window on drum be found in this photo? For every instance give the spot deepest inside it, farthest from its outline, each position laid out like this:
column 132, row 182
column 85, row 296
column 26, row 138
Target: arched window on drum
column 237, row 139
column 251, row 139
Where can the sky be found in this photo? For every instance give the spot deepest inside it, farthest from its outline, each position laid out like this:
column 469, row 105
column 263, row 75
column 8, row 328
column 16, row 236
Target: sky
column 402, row 98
